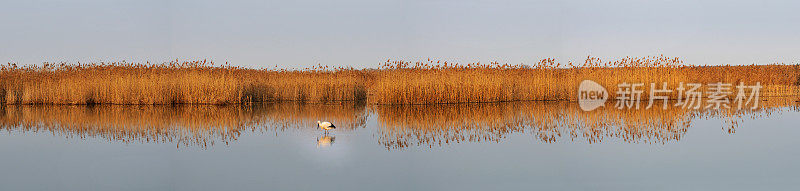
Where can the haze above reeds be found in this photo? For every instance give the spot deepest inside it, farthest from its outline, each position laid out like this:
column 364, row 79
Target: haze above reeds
column 394, row 82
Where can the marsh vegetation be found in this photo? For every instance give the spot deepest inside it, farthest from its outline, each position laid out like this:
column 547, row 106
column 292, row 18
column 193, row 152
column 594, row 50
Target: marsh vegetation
column 394, row 82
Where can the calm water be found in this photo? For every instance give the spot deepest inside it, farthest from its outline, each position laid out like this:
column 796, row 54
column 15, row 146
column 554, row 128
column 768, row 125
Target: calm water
column 507, row 146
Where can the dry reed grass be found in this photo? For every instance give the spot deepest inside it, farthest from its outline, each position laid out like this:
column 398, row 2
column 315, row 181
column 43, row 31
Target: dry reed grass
column 197, row 82
column 430, row 82
column 395, row 82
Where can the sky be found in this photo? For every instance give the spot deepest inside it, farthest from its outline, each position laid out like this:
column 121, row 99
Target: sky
column 362, row 33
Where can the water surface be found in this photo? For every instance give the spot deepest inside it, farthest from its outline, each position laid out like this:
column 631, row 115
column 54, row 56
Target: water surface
column 499, row 146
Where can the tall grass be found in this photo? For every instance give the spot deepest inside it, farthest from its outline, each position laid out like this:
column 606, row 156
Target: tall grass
column 395, row 82
column 427, row 82
column 197, row 82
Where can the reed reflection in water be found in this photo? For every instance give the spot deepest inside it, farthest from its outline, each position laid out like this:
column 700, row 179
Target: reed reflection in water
column 549, row 122
column 187, row 125
column 397, row 126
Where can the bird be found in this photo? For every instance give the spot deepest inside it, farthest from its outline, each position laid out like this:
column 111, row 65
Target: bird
column 326, row 126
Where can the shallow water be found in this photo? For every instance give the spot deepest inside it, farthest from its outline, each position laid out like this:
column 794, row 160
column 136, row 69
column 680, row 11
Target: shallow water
column 502, row 146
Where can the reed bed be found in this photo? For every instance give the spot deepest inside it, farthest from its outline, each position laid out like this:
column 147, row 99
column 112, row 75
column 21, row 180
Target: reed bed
column 394, row 82
column 431, row 82
column 196, row 82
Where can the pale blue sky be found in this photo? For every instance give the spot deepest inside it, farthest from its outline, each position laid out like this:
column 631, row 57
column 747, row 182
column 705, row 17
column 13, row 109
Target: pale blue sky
column 296, row 34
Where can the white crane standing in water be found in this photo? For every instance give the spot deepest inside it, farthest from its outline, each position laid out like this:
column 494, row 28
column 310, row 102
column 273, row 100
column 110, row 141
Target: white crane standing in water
column 326, row 126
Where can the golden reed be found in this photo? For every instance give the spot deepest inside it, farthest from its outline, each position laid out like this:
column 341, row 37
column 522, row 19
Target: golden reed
column 197, row 82
column 395, row 82
column 441, row 82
